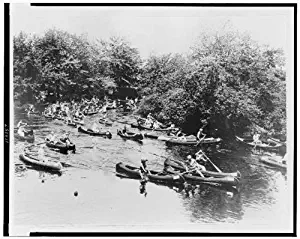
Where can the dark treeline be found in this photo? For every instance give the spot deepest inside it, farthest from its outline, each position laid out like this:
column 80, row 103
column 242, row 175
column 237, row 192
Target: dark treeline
column 227, row 78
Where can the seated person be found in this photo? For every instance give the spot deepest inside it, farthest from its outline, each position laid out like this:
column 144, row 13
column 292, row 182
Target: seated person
column 65, row 138
column 21, row 124
column 52, row 137
column 200, row 156
column 256, row 138
column 155, row 125
column 192, row 164
column 124, row 131
column 200, row 134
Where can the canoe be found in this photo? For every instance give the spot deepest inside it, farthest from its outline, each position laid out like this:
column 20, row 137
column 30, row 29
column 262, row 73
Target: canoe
column 20, row 135
column 271, row 145
column 177, row 165
column 273, row 163
column 189, row 177
column 176, row 140
column 46, row 164
column 151, row 135
column 110, row 107
column 60, row 145
column 155, row 176
column 104, row 121
column 94, row 133
column 131, row 135
column 135, row 125
column 91, row 112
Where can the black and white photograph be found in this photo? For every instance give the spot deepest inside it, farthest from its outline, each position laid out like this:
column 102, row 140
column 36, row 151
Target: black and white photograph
column 151, row 118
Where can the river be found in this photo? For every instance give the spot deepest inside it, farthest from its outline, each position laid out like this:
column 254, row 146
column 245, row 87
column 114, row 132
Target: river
column 40, row 201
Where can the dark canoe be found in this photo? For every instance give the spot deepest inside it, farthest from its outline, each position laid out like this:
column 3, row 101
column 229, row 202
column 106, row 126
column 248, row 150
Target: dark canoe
column 72, row 124
column 273, row 163
column 135, row 125
column 104, row 121
column 271, row 145
column 177, row 165
column 131, row 135
column 91, row 112
column 151, row 135
column 21, row 136
column 94, row 133
column 60, row 145
column 228, row 180
column 45, row 164
column 110, row 107
column 154, row 176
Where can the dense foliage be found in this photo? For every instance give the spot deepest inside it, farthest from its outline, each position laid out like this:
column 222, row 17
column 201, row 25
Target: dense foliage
column 70, row 66
column 227, row 79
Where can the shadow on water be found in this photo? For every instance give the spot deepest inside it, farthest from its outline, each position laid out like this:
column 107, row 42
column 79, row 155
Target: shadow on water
column 203, row 203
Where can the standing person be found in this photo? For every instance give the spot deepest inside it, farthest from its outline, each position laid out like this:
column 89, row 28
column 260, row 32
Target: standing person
column 144, row 172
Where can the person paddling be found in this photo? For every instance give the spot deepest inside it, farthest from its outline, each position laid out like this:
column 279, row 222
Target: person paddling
column 192, row 163
column 200, row 134
column 21, row 124
column 65, row 139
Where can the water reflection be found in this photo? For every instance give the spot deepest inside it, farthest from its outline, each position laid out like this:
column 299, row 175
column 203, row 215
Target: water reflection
column 260, row 186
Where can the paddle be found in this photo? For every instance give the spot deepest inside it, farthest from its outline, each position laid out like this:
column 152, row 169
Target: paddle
column 201, row 140
column 211, row 162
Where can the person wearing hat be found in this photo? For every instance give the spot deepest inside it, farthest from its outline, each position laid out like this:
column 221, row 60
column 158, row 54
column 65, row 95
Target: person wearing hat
column 200, row 156
column 143, row 169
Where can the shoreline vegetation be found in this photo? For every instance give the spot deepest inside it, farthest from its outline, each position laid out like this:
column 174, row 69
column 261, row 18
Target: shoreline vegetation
column 227, row 80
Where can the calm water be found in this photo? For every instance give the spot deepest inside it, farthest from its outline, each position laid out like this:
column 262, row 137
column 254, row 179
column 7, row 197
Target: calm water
column 45, row 202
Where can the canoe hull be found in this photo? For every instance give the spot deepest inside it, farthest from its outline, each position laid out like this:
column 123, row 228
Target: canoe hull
column 102, row 134
column 133, row 136
column 276, row 146
column 228, row 181
column 48, row 165
column 153, row 177
column 176, row 165
column 134, row 125
column 273, row 163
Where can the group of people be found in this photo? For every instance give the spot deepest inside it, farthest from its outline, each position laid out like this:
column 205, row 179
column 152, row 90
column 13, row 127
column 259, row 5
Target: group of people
column 193, row 163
